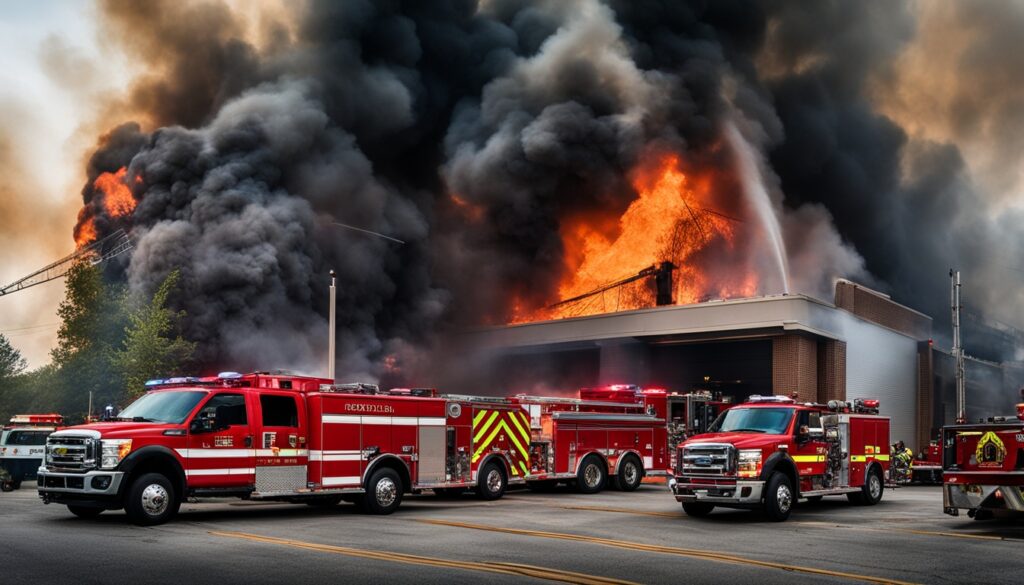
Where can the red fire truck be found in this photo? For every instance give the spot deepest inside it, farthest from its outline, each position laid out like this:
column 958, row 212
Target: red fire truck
column 298, row 439
column 983, row 467
column 22, row 443
column 927, row 467
column 616, row 432
column 769, row 452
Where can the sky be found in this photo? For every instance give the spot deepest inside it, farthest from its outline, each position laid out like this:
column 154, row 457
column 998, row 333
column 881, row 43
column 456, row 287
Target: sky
column 50, row 60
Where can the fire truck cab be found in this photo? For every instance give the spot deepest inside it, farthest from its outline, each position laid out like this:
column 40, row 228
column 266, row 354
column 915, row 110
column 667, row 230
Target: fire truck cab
column 22, row 443
column 770, row 451
column 983, row 467
column 284, row 438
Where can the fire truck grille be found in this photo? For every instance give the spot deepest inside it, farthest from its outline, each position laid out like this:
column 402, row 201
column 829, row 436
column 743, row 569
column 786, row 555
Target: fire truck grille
column 707, row 459
column 72, row 453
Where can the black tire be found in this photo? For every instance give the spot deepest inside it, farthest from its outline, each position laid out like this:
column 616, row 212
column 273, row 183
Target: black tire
column 873, row 488
column 814, row 499
column 697, row 509
column 323, row 501
column 7, row 486
column 779, row 497
column 591, row 476
column 151, row 500
column 491, row 481
column 630, row 475
column 383, row 493
column 84, row 511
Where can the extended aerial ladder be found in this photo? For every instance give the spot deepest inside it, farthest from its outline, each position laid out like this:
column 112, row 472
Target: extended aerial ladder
column 95, row 253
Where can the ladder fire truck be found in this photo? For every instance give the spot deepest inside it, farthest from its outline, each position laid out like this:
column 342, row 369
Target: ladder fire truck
column 983, row 467
column 769, row 452
column 300, row 439
column 22, row 443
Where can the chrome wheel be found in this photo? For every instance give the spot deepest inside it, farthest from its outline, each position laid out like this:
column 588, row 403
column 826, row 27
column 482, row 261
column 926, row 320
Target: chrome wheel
column 494, row 480
column 629, row 472
column 874, row 486
column 386, row 492
column 592, row 476
column 155, row 499
column 784, row 497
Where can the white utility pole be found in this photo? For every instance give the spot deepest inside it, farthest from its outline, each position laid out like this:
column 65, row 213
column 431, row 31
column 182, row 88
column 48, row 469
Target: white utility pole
column 958, row 349
column 330, row 342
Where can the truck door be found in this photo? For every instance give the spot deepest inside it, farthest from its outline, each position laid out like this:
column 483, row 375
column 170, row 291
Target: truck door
column 281, row 454
column 221, row 453
column 811, row 448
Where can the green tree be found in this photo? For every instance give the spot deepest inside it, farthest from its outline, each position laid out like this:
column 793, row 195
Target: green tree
column 11, row 362
column 152, row 345
column 92, row 325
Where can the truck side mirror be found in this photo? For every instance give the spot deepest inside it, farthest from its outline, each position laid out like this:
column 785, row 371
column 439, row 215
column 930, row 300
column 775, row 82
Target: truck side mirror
column 206, row 424
column 804, row 433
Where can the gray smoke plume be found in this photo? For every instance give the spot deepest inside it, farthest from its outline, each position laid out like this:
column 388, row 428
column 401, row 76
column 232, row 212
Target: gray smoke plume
column 472, row 132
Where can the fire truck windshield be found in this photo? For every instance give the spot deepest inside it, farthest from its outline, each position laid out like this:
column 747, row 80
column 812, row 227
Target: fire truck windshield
column 164, row 407
column 773, row 421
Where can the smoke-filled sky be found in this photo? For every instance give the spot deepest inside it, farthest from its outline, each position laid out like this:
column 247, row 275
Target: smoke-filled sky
column 877, row 141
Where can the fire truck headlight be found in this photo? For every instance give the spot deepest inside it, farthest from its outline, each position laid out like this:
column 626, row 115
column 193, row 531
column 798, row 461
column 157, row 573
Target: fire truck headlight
column 749, row 463
column 114, row 450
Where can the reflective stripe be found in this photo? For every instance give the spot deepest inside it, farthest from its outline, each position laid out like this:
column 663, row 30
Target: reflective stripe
column 282, row 453
column 485, row 426
column 865, row 458
column 809, row 458
column 342, row 480
column 345, row 419
column 479, row 415
column 229, row 471
column 336, row 455
column 213, row 453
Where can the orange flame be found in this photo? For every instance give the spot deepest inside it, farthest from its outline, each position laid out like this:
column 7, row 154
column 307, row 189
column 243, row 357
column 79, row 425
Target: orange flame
column 672, row 219
column 114, row 198
column 117, row 197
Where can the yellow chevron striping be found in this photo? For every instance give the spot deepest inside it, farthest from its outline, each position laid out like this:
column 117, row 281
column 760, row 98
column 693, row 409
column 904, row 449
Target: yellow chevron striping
column 523, row 433
column 479, row 415
column 487, row 442
column 477, row 433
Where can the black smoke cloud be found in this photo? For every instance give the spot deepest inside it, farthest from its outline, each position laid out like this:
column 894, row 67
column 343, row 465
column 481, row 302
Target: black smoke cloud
column 471, row 131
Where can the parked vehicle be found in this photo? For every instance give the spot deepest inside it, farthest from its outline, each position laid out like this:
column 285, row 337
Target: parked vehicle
column 771, row 451
column 983, row 467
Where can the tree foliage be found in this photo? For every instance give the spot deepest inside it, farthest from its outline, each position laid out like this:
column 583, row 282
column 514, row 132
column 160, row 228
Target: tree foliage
column 11, row 362
column 152, row 347
column 108, row 344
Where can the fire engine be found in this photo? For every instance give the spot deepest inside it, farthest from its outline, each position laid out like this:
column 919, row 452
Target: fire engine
column 300, row 439
column 617, row 432
column 771, row 451
column 927, row 467
column 22, row 443
column 983, row 467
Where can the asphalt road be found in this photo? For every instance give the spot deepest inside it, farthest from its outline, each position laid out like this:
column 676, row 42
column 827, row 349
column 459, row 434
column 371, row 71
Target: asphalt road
column 526, row 537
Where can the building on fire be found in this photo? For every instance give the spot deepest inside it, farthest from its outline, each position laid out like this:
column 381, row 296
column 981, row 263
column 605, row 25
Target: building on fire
column 861, row 345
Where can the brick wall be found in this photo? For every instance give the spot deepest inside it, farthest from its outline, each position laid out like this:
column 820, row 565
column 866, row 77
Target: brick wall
column 925, row 394
column 878, row 308
column 831, row 370
column 795, row 367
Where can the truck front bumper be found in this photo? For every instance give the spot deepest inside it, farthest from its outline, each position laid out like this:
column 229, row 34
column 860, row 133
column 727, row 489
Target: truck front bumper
column 975, row 496
column 94, row 485
column 738, row 493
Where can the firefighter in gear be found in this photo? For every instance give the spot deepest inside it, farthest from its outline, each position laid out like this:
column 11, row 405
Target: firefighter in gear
column 903, row 459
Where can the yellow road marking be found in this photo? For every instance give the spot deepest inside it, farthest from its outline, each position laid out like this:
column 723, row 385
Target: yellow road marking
column 686, row 552
column 488, row 567
column 679, row 516
column 908, row 531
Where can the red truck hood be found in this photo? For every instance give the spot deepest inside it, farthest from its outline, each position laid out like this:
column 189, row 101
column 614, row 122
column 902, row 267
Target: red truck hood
column 741, row 440
column 122, row 430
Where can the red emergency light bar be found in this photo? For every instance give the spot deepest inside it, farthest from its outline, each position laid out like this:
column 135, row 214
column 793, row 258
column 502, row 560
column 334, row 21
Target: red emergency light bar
column 37, row 419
